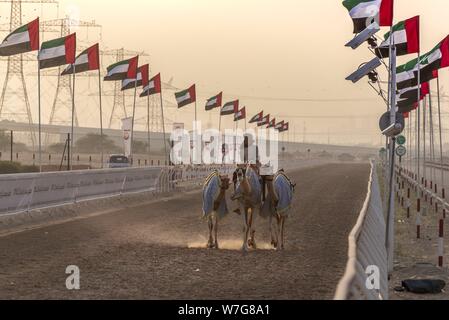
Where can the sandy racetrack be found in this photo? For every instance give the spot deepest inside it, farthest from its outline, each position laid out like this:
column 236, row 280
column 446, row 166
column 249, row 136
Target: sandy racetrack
column 157, row 251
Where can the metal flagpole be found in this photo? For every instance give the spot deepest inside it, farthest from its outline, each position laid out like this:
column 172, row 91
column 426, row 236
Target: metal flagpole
column 163, row 129
column 39, row 112
column 441, row 134
column 73, row 118
column 148, row 126
column 101, row 120
column 134, row 115
column 432, row 143
column 391, row 202
column 424, row 140
column 419, row 125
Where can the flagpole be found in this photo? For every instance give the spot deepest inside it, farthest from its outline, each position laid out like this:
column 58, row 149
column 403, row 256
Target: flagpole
column 163, row 129
column 235, row 140
column 148, row 126
column 73, row 118
column 134, row 115
column 441, row 133
column 101, row 119
column 39, row 112
column 419, row 123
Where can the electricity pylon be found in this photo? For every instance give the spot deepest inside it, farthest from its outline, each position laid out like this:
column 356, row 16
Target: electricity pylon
column 62, row 104
column 119, row 107
column 15, row 84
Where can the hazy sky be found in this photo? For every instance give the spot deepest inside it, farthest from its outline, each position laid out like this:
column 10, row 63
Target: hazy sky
column 264, row 52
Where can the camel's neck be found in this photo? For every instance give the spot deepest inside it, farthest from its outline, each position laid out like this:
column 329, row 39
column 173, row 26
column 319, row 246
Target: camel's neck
column 246, row 187
column 221, row 195
column 270, row 189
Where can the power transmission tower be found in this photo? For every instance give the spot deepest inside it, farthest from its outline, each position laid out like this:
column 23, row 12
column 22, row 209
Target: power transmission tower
column 62, row 104
column 15, row 84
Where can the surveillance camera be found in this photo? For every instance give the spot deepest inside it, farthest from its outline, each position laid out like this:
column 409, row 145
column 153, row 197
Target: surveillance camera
column 373, row 76
column 364, row 70
column 363, row 36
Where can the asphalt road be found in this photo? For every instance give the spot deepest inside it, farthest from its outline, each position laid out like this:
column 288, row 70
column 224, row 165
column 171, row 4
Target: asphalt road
column 157, row 251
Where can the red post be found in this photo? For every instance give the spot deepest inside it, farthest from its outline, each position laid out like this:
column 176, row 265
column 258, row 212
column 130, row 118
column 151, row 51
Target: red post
column 441, row 244
column 408, row 203
column 418, row 220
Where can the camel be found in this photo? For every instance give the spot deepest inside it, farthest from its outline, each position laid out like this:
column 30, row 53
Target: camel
column 248, row 194
column 277, row 205
column 214, row 204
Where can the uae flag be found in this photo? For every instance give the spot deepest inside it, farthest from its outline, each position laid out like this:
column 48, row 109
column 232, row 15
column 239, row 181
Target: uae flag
column 24, row 39
column 272, row 124
column 436, row 59
column 143, row 74
column 88, row 60
column 407, row 74
column 264, row 122
column 279, row 126
column 230, row 108
column 408, row 99
column 214, row 102
column 58, row 52
column 405, row 36
column 154, row 86
column 257, row 118
column 240, row 115
column 285, row 127
column 126, row 69
column 186, row 97
column 366, row 12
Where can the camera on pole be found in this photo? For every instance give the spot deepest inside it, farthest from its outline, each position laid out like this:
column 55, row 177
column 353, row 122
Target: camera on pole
column 364, row 70
column 365, row 35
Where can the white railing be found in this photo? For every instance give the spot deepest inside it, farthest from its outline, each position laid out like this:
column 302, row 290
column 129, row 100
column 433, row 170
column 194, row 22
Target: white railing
column 25, row 192
column 367, row 251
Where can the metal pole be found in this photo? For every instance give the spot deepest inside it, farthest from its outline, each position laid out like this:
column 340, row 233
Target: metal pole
column 419, row 124
column 101, row 120
column 391, row 204
column 163, row 128
column 12, row 145
column 73, row 118
column 441, row 134
column 148, row 127
column 132, row 125
column 39, row 113
column 69, row 152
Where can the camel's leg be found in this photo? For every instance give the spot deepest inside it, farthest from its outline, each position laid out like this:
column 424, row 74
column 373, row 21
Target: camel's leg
column 273, row 233
column 278, row 232
column 245, row 230
column 282, row 232
column 210, row 222
column 253, row 230
column 216, row 232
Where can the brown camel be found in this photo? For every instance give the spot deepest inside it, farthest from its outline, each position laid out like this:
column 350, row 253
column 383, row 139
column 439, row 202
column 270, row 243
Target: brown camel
column 218, row 207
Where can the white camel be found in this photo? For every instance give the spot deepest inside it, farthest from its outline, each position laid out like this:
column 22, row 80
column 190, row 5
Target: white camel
column 248, row 194
column 214, row 204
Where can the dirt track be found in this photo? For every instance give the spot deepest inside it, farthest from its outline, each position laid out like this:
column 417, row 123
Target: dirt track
column 156, row 251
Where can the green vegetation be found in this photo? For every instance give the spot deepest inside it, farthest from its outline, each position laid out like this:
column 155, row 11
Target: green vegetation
column 14, row 167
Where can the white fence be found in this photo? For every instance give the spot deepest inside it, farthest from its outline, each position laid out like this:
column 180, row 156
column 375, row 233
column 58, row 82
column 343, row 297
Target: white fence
column 24, row 192
column 367, row 251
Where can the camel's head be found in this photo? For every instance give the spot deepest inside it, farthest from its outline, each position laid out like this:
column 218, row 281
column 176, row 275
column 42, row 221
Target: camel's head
column 241, row 173
column 225, row 182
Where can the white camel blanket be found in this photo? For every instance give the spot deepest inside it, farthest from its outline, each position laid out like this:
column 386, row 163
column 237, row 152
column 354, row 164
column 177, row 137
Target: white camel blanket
column 211, row 191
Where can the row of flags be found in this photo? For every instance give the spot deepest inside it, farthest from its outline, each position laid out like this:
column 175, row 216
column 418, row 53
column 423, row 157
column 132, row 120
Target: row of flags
column 62, row 51
column 406, row 38
column 188, row 96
